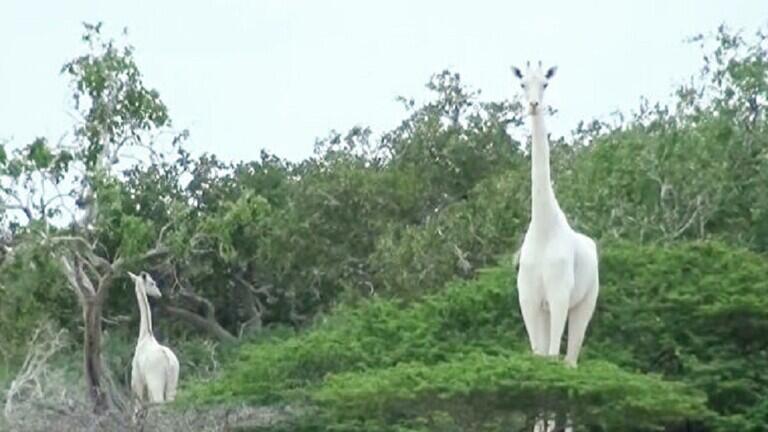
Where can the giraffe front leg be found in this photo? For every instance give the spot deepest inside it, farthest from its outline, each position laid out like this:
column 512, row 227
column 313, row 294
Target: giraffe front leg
column 558, row 286
column 536, row 320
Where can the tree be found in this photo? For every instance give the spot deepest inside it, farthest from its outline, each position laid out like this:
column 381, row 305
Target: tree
column 69, row 193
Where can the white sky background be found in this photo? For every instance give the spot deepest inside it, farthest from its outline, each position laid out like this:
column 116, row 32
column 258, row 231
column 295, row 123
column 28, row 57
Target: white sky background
column 246, row 75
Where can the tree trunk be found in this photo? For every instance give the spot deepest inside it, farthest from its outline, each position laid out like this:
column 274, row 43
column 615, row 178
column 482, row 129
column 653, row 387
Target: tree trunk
column 94, row 372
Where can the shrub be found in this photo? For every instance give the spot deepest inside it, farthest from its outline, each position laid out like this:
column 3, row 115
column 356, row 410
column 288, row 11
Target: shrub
column 673, row 323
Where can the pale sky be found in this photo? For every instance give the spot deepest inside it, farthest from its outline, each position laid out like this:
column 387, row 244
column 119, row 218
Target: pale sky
column 246, row 75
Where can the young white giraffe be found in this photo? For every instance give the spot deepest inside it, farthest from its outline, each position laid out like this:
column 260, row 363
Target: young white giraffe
column 557, row 278
column 155, row 369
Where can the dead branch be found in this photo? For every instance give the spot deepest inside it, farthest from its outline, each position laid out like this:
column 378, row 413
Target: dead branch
column 43, row 345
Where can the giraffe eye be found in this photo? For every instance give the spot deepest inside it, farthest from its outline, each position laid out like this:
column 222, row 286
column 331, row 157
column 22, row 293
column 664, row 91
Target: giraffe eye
column 545, row 85
column 522, row 85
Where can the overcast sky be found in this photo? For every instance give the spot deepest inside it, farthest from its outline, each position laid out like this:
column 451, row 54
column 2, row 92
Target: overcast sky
column 246, row 75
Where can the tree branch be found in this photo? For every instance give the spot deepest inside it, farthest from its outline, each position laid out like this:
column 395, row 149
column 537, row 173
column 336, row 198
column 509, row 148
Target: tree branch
column 83, row 282
column 69, row 273
column 207, row 321
column 208, row 324
column 26, row 210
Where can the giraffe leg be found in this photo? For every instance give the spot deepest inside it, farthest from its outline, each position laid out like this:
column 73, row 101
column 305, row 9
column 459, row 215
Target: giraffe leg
column 535, row 318
column 156, row 387
column 558, row 285
column 578, row 320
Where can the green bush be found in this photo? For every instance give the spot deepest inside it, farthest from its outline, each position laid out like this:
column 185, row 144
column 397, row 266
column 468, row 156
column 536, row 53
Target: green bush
column 30, row 284
column 696, row 312
column 467, row 316
column 692, row 313
column 509, row 390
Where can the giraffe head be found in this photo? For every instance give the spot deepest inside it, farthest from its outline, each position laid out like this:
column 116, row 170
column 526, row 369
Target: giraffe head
column 147, row 283
column 534, row 82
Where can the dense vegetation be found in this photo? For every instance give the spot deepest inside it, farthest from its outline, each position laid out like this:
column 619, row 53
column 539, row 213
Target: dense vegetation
column 366, row 285
column 693, row 314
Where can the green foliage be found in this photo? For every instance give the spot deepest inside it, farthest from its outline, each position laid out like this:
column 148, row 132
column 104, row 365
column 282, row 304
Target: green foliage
column 30, row 283
column 237, row 225
column 107, row 85
column 137, row 235
column 694, row 312
column 503, row 392
column 379, row 334
column 691, row 171
column 691, row 312
column 461, row 237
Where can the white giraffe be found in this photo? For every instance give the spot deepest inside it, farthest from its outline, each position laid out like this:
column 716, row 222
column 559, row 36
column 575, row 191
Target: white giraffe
column 557, row 278
column 155, row 369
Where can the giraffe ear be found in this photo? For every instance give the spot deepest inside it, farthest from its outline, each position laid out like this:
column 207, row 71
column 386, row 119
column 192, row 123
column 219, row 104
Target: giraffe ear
column 517, row 72
column 133, row 276
column 551, row 72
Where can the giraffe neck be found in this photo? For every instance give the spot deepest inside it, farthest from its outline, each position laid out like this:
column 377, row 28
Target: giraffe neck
column 544, row 205
column 145, row 324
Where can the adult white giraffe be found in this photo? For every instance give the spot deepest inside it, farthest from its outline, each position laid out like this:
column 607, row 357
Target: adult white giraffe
column 557, row 278
column 155, row 369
